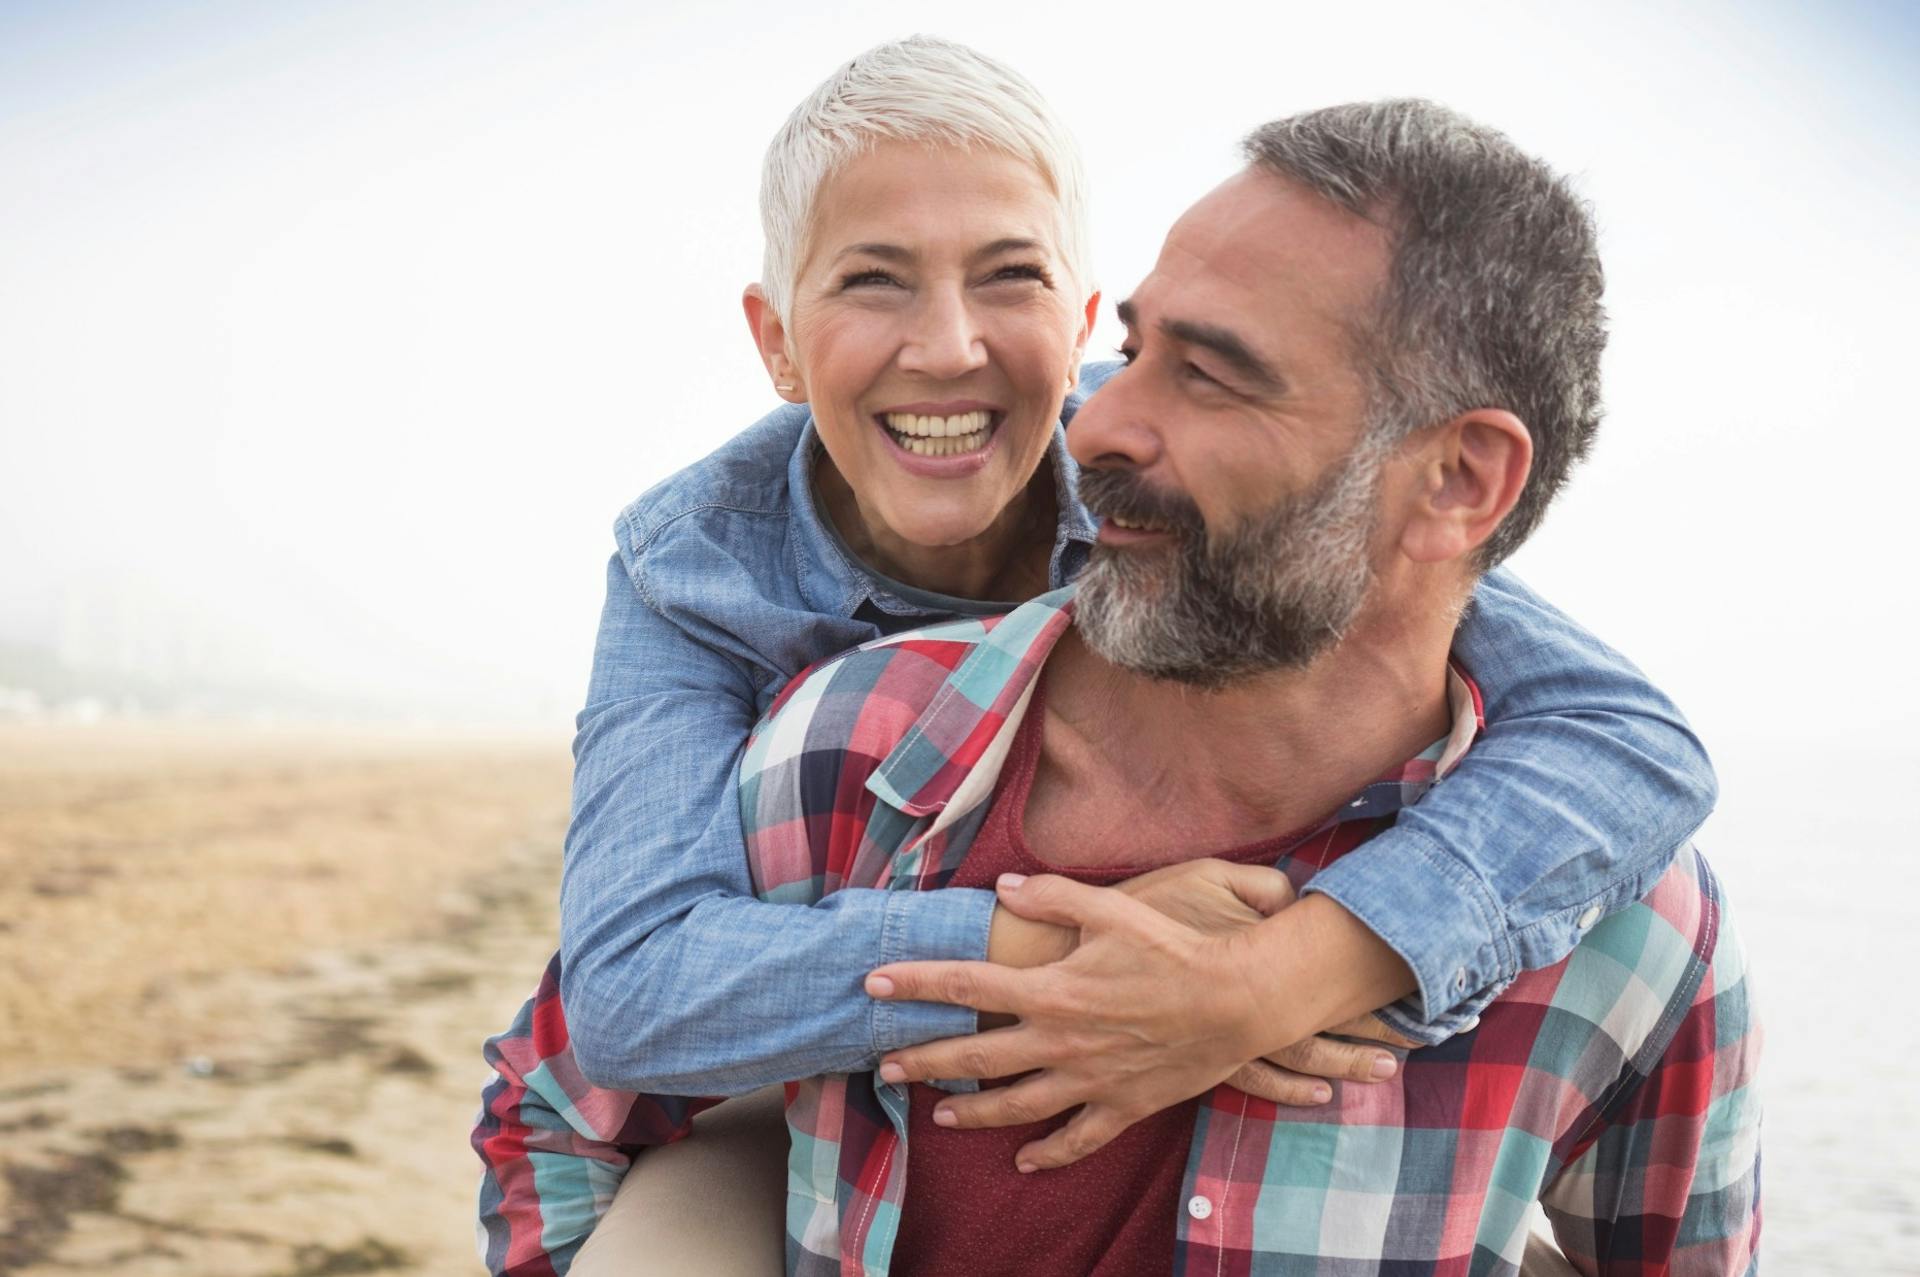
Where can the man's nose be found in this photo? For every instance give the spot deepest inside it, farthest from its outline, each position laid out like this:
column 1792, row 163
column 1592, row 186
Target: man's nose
column 1115, row 428
column 945, row 339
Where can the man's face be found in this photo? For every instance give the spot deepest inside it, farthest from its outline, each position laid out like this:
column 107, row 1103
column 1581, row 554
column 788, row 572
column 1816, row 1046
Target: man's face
column 1230, row 456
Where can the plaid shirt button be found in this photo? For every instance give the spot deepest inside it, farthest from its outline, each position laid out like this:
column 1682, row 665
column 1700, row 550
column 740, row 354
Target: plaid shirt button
column 1200, row 1207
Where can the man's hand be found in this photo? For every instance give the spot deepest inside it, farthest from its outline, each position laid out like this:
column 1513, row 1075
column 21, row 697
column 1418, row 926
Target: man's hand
column 1145, row 1013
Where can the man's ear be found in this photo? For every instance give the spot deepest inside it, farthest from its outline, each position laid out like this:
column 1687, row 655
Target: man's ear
column 1472, row 470
column 770, row 338
column 1089, row 317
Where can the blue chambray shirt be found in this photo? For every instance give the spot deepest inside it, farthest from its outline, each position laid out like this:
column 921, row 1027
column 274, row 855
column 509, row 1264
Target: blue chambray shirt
column 727, row 581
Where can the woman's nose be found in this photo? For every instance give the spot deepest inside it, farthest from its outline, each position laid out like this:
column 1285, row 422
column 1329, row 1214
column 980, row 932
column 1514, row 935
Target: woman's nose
column 945, row 339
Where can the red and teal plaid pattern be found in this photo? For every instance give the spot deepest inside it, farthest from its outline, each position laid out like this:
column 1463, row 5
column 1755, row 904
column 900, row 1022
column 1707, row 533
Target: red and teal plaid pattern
column 1615, row 1088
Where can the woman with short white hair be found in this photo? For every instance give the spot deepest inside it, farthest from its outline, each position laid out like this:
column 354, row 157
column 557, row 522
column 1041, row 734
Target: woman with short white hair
column 924, row 307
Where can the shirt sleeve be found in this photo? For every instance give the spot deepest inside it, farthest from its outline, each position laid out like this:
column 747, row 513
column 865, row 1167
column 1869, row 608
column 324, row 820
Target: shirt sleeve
column 1670, row 1180
column 676, row 978
column 553, row 1146
column 1568, row 807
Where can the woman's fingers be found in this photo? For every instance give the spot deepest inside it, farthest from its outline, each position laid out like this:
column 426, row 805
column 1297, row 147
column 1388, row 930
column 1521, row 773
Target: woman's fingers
column 1265, row 889
column 1268, row 1082
column 1323, row 1056
column 1373, row 1029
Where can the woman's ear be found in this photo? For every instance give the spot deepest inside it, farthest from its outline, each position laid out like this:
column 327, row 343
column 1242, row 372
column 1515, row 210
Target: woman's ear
column 770, row 339
column 1089, row 317
column 1473, row 469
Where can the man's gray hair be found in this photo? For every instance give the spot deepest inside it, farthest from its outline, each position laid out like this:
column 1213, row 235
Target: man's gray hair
column 923, row 89
column 1493, row 298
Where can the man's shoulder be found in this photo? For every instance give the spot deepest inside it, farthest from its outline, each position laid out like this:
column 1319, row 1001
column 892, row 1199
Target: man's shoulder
column 867, row 700
column 1637, row 972
column 745, row 476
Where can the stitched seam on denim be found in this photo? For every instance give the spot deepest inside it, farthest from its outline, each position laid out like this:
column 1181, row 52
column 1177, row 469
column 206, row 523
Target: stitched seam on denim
column 1487, row 903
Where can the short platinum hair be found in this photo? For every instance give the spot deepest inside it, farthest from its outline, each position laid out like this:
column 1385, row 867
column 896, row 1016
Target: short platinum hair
column 922, row 89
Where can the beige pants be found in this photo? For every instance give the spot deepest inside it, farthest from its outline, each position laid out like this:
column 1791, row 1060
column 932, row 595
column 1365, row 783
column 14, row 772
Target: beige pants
column 714, row 1205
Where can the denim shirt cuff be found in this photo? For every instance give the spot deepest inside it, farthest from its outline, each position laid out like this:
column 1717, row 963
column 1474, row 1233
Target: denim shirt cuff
column 928, row 925
column 1443, row 921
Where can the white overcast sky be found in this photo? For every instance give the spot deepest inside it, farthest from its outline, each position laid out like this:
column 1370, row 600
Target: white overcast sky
column 332, row 336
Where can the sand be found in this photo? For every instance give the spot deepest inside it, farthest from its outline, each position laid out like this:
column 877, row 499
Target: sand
column 247, row 975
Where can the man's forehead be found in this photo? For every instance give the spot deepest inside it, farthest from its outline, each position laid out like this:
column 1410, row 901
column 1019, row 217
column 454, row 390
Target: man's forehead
column 1264, row 245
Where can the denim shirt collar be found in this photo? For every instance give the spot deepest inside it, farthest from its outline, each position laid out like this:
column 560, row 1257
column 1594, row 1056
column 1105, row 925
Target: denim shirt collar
column 833, row 582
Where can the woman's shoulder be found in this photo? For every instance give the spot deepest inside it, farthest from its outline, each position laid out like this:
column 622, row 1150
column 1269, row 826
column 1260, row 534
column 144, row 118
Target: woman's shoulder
column 745, row 476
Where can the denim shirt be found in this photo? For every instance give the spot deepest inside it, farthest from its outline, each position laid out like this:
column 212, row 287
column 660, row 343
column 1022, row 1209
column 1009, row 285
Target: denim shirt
column 727, row 581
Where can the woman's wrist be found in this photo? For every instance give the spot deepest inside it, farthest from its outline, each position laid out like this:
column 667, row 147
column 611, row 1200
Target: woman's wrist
column 1314, row 965
column 1013, row 941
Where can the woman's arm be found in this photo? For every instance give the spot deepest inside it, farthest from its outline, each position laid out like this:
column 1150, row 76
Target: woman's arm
column 1568, row 807
column 675, row 978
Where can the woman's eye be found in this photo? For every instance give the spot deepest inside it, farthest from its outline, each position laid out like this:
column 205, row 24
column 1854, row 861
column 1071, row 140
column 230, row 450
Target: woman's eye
column 866, row 279
column 1023, row 271
column 1127, row 353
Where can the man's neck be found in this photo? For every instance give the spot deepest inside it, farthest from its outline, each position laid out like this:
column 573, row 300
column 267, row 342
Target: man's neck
column 1135, row 770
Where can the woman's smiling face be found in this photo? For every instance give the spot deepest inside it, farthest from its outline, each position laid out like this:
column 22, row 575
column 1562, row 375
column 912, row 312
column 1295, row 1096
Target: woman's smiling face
column 934, row 330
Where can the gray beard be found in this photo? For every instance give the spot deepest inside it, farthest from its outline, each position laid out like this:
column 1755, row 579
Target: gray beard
column 1273, row 593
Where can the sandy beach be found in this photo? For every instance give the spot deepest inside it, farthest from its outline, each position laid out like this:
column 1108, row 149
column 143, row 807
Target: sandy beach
column 248, row 975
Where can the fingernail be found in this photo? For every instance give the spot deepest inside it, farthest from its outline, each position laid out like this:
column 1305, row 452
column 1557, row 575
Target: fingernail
column 879, row 986
column 1384, row 1065
column 891, row 1072
column 1011, row 882
column 1025, row 1168
column 943, row 1116
column 1321, row 1094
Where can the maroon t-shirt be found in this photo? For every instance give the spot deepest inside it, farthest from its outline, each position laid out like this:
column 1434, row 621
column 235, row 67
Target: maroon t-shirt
column 967, row 1212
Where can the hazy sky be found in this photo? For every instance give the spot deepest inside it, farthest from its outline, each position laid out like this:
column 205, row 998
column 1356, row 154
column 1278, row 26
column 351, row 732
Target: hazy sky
column 334, row 335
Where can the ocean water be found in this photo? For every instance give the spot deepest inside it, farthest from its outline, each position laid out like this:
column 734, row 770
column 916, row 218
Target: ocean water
column 1821, row 865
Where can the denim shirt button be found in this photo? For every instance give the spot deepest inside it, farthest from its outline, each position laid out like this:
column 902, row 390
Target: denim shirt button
column 1588, row 918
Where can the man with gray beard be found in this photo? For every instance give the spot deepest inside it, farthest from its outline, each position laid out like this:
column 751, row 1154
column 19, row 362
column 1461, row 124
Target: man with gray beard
column 1358, row 373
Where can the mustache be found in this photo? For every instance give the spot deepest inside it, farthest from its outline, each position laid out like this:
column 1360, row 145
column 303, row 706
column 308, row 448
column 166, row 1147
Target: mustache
column 1111, row 493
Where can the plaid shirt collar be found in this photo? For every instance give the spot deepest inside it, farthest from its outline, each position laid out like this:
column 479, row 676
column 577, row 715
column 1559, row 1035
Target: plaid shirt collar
column 984, row 700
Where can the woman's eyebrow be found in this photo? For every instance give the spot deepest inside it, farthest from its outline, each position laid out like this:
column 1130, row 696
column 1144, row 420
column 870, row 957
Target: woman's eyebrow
column 1010, row 244
column 885, row 252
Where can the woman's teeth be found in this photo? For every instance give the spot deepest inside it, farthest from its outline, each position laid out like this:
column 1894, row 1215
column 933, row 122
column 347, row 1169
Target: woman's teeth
column 939, row 436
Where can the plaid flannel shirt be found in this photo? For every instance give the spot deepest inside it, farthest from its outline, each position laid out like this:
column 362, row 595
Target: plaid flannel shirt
column 1614, row 1087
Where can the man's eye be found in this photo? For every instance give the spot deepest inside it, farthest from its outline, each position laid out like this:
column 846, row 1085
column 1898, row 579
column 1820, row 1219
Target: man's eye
column 1198, row 373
